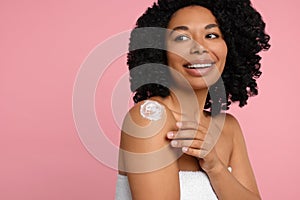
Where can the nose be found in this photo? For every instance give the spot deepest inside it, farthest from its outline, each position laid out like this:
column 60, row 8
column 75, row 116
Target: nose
column 198, row 48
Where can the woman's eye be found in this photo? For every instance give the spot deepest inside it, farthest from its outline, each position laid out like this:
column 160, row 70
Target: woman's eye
column 181, row 38
column 212, row 36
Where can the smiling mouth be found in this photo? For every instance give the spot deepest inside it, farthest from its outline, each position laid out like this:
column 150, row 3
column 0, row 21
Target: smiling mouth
column 199, row 65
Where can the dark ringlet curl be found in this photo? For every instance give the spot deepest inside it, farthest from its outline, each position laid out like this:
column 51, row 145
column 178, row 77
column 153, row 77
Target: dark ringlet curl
column 244, row 33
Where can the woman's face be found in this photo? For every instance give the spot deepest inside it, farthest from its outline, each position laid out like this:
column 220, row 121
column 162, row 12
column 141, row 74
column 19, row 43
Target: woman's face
column 196, row 48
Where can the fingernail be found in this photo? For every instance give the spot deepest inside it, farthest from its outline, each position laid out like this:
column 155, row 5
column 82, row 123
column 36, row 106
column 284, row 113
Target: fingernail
column 184, row 149
column 174, row 143
column 179, row 124
column 170, row 135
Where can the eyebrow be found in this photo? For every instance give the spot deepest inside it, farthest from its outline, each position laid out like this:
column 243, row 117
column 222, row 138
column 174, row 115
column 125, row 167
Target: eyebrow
column 209, row 26
column 185, row 28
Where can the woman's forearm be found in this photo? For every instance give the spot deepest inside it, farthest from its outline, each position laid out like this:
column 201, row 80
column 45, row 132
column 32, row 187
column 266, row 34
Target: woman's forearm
column 227, row 187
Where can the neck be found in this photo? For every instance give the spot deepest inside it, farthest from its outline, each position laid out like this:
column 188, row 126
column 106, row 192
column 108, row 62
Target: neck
column 190, row 101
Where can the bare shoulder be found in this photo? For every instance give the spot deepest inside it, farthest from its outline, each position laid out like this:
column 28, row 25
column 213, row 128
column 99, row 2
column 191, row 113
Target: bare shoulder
column 230, row 124
column 232, row 121
column 147, row 122
column 235, row 129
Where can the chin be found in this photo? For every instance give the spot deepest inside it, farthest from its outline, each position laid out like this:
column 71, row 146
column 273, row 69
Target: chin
column 203, row 83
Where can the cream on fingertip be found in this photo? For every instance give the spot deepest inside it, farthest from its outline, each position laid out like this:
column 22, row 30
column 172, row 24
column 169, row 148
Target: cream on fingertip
column 185, row 149
column 170, row 135
column 178, row 124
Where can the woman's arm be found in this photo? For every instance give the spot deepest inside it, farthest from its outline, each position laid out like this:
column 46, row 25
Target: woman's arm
column 240, row 183
column 147, row 157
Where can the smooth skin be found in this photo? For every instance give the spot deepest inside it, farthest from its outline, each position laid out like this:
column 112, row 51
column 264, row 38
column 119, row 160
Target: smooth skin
column 195, row 24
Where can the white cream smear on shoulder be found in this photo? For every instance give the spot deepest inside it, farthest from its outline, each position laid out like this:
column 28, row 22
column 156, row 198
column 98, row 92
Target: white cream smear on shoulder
column 152, row 110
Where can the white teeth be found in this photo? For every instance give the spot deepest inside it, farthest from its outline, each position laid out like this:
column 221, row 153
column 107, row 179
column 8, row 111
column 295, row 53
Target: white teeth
column 200, row 65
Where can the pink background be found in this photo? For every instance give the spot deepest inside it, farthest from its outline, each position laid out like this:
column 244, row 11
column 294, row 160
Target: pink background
column 43, row 44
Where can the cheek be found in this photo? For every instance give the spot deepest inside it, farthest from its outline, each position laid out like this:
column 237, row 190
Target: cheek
column 178, row 51
column 225, row 50
column 173, row 58
column 221, row 52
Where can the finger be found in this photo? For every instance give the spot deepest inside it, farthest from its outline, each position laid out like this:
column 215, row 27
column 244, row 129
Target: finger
column 197, row 144
column 186, row 134
column 198, row 153
column 190, row 125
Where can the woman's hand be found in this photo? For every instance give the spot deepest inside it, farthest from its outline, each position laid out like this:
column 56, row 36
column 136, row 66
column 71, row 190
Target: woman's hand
column 198, row 141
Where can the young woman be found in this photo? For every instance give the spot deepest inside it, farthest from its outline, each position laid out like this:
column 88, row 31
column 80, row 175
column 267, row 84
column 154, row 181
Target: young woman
column 177, row 142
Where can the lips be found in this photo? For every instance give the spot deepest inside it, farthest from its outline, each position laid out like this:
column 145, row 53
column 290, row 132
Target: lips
column 199, row 67
column 198, row 64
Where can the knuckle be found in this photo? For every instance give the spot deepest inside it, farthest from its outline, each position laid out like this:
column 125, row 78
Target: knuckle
column 195, row 143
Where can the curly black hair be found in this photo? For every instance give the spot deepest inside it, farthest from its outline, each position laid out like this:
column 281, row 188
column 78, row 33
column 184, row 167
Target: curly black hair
column 244, row 33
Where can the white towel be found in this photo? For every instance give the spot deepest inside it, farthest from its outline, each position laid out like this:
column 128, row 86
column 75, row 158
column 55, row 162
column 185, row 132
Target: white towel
column 193, row 186
column 122, row 188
